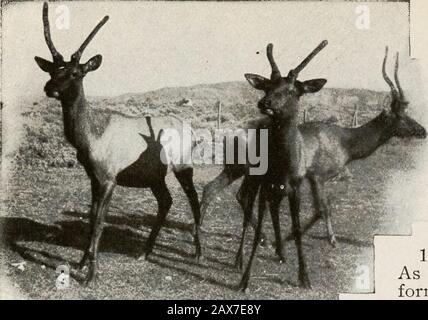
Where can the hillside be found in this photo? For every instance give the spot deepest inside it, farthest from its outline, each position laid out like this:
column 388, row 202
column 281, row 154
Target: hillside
column 239, row 101
column 44, row 144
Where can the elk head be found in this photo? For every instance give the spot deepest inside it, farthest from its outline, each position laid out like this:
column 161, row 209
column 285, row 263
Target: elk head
column 283, row 93
column 404, row 126
column 66, row 77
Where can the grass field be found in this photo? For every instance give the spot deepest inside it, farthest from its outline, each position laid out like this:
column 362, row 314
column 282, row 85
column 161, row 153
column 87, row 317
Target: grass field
column 44, row 218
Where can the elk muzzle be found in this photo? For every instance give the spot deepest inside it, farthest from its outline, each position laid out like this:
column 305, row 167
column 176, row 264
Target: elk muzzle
column 51, row 91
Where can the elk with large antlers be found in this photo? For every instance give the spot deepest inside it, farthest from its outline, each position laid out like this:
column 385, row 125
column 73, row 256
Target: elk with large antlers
column 116, row 149
column 315, row 151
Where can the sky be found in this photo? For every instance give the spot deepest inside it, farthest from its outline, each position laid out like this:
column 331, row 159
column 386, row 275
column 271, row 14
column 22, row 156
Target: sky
column 151, row 45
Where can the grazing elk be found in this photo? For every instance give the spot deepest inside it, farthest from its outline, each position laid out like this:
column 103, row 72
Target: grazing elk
column 316, row 151
column 116, row 149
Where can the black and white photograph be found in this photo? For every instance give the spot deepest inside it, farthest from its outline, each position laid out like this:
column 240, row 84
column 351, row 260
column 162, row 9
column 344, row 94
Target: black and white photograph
column 254, row 150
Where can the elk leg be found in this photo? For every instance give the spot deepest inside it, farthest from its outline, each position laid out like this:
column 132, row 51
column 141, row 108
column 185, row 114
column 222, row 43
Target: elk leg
column 185, row 178
column 321, row 211
column 246, row 197
column 229, row 174
column 239, row 254
column 274, row 212
column 92, row 214
column 294, row 200
column 322, row 208
column 307, row 226
column 105, row 193
column 163, row 197
column 262, row 208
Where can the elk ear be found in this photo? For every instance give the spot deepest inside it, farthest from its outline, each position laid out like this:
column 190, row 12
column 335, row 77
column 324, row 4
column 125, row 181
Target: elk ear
column 45, row 65
column 92, row 64
column 257, row 82
column 312, row 86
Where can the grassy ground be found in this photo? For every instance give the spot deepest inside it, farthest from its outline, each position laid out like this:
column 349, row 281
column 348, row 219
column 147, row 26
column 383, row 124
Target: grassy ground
column 45, row 219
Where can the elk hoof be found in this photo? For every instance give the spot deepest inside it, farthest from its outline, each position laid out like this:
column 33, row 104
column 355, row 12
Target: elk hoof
column 304, row 282
column 198, row 257
column 90, row 279
column 143, row 257
column 333, row 241
column 89, row 283
column 243, row 286
column 281, row 256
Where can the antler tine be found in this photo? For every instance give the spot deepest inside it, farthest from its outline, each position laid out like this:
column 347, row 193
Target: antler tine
column 305, row 62
column 78, row 54
column 385, row 76
column 276, row 74
column 57, row 57
column 397, row 81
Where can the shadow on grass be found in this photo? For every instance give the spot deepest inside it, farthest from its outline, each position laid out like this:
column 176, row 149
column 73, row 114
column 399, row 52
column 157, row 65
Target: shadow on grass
column 140, row 222
column 20, row 235
column 156, row 259
column 346, row 240
column 144, row 223
column 160, row 259
column 134, row 221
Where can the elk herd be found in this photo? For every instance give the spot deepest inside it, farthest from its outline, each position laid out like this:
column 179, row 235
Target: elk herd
column 117, row 149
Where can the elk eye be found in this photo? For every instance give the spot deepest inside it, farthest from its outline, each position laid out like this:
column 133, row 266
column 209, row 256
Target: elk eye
column 75, row 74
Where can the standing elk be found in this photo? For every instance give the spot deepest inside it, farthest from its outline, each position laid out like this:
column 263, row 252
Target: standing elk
column 115, row 149
column 404, row 127
column 249, row 188
column 316, row 151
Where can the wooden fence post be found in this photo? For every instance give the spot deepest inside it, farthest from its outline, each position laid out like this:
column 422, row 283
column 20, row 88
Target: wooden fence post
column 218, row 114
column 305, row 116
column 355, row 117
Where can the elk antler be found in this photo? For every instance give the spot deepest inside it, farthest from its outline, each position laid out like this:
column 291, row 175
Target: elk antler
column 276, row 74
column 78, row 54
column 397, row 82
column 305, row 62
column 385, row 76
column 57, row 57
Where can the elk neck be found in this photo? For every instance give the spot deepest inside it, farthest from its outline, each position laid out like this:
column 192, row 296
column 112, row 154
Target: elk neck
column 363, row 141
column 285, row 146
column 76, row 118
column 285, row 130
